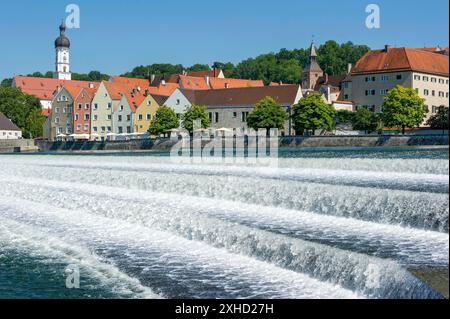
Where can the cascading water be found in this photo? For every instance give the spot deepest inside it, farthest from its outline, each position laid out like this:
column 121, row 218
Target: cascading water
column 143, row 227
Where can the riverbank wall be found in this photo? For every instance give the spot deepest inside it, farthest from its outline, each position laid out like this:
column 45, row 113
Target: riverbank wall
column 18, row 146
column 285, row 142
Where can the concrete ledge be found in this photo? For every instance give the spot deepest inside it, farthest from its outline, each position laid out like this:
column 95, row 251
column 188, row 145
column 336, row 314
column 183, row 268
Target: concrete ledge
column 12, row 146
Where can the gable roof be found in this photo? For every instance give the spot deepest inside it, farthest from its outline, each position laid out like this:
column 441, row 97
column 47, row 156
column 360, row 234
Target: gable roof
column 163, row 89
column 134, row 98
column 6, row 124
column 402, row 59
column 44, row 88
column 218, row 83
column 193, row 83
column 116, row 90
column 133, row 82
column 284, row 95
column 215, row 73
column 160, row 99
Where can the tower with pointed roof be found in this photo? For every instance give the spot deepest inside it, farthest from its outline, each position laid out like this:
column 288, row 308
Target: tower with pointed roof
column 62, row 46
column 312, row 72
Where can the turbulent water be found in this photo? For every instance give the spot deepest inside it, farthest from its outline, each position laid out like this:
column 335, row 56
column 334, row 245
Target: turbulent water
column 340, row 224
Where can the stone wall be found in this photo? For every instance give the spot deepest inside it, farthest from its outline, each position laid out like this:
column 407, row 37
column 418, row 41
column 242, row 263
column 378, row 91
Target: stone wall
column 10, row 146
column 286, row 142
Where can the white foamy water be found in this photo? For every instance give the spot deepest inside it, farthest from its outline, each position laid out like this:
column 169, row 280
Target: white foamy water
column 311, row 229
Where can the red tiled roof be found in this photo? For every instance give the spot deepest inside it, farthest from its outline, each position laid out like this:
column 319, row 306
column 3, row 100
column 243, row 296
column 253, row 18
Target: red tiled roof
column 143, row 83
column 201, row 74
column 217, row 83
column 43, row 88
column 193, row 83
column 402, row 59
column 163, row 89
column 116, row 90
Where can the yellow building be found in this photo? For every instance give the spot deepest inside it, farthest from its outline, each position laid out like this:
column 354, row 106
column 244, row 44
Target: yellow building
column 145, row 113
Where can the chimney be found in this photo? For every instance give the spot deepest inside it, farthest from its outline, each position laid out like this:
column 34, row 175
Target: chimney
column 147, row 92
column 329, row 95
column 281, row 82
column 227, row 85
column 91, row 85
column 152, row 78
column 207, row 80
column 139, row 89
column 326, row 77
column 349, row 68
column 163, row 82
column 386, row 48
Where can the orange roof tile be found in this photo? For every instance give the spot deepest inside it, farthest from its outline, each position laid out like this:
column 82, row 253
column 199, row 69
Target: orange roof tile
column 116, row 90
column 163, row 89
column 201, row 74
column 402, row 59
column 131, row 81
column 193, row 83
column 217, row 83
column 44, row 88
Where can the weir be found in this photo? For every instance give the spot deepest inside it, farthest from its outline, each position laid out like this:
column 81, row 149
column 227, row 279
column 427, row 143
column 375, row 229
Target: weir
column 309, row 229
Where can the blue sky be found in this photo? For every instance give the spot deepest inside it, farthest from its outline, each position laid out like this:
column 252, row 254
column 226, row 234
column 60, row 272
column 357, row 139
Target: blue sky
column 116, row 35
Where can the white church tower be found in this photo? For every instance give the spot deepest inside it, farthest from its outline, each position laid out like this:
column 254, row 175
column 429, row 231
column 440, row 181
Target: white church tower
column 62, row 46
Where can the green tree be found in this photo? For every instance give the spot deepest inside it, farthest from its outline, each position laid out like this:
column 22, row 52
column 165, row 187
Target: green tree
column 365, row 120
column 403, row 108
column 440, row 119
column 267, row 114
column 7, row 83
column 312, row 113
column 165, row 120
column 198, row 68
column 344, row 117
column 227, row 68
column 193, row 113
column 22, row 109
column 36, row 123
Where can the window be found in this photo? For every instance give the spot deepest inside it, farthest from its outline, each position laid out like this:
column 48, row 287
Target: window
column 109, row 117
column 426, row 78
column 346, row 97
column 109, row 129
column 80, row 106
column 109, row 106
column 56, row 120
column 426, row 92
column 216, row 117
column 383, row 92
column 178, row 102
column 95, row 106
column 120, row 129
column 370, row 79
column 149, row 117
column 86, row 127
column 446, row 95
column 141, row 117
column 234, row 115
column 434, row 109
column 210, row 116
column 121, row 108
column 433, row 80
column 86, row 117
column 128, row 118
column 399, row 76
column 441, row 81
column 370, row 92
column 60, row 130
column 384, row 78
column 79, row 127
column 86, row 107
column 103, row 129
column 56, row 109
column 244, row 116
column 441, row 94
column 433, row 93
column 149, row 103
column 95, row 117
column 345, row 85
column 417, row 77
column 95, row 129
column 69, row 130
column 119, row 118
column 128, row 129
column 76, row 117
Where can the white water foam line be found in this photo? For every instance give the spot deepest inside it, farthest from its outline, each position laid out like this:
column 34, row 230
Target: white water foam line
column 187, row 262
column 412, row 247
column 22, row 238
column 395, row 207
column 322, row 262
column 401, row 181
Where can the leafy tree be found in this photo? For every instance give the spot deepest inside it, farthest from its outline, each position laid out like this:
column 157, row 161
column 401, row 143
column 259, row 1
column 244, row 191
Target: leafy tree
column 193, row 113
column 198, row 68
column 165, row 120
column 403, row 108
column 440, row 119
column 7, row 82
column 312, row 113
column 365, row 120
column 24, row 110
column 227, row 68
column 344, row 117
column 267, row 114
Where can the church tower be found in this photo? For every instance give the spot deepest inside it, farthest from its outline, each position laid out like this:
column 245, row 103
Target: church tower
column 62, row 46
column 312, row 72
